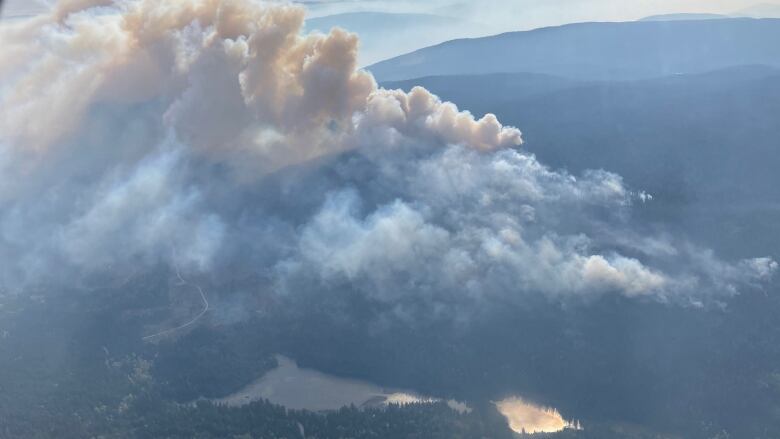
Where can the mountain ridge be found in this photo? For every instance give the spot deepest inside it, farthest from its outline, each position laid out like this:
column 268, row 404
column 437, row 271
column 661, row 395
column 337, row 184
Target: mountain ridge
column 599, row 50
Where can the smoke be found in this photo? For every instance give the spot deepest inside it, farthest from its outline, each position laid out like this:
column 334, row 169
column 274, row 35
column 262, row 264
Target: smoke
column 213, row 134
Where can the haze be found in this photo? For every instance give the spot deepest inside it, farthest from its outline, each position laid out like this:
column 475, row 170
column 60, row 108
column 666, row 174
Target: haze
column 223, row 219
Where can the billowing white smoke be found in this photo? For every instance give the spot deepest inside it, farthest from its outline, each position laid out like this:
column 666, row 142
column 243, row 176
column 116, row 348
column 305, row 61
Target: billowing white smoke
column 133, row 128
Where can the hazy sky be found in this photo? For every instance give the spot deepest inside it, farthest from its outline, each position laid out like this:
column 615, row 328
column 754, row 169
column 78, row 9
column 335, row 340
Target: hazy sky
column 525, row 14
column 472, row 18
column 503, row 14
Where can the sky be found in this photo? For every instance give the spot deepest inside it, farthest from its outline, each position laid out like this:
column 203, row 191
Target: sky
column 505, row 14
column 527, row 14
column 380, row 41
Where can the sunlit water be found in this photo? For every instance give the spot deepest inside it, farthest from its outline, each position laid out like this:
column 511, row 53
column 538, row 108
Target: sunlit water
column 524, row 417
column 306, row 389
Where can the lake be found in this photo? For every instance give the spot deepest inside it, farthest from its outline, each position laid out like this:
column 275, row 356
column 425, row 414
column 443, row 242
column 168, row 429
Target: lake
column 525, row 417
column 306, row 389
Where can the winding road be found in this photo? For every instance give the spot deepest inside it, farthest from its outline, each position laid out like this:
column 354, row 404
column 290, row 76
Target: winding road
column 194, row 319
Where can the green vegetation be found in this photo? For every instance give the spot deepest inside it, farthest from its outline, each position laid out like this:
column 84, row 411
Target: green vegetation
column 210, row 364
column 87, row 374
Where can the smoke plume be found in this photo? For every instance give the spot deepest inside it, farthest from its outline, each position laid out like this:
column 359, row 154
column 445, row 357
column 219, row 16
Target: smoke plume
column 215, row 135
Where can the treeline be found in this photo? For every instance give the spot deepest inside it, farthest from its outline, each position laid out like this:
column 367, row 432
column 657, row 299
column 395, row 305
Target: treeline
column 78, row 369
column 209, row 363
column 154, row 418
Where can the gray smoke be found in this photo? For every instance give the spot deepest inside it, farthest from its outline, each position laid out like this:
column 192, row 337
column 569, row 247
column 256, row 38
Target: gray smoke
column 213, row 134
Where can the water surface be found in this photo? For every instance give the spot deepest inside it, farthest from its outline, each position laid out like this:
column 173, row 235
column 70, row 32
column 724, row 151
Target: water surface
column 305, row 389
column 524, row 417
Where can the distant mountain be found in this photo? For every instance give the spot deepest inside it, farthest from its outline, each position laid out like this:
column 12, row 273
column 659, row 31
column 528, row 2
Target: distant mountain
column 600, row 51
column 704, row 145
column 22, row 8
column 684, row 16
column 762, row 10
column 17, row 11
column 383, row 34
column 363, row 22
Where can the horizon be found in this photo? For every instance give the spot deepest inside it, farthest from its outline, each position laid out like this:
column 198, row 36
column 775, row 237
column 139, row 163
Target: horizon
column 532, row 14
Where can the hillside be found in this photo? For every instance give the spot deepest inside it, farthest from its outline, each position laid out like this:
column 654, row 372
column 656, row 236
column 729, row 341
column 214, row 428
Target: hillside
column 600, row 51
column 686, row 139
